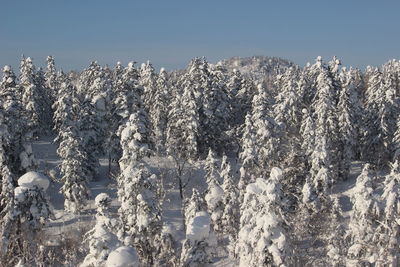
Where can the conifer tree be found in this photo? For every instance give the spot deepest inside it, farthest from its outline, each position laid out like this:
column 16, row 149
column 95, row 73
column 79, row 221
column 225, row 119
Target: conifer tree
column 73, row 170
column 101, row 239
column 363, row 218
column 262, row 239
column 230, row 216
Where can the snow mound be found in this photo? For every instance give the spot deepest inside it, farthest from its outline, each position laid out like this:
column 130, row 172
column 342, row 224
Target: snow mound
column 32, row 179
column 123, row 257
column 199, row 227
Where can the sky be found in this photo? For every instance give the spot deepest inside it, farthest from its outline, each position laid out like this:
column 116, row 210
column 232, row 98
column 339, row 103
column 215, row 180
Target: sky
column 170, row 33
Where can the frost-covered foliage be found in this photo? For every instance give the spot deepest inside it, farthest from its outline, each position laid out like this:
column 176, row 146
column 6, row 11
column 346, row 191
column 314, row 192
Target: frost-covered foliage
column 101, row 239
column 262, row 239
column 73, row 171
column 193, row 205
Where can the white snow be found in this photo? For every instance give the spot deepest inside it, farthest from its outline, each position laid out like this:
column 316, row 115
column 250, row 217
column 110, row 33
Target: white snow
column 31, row 179
column 123, row 257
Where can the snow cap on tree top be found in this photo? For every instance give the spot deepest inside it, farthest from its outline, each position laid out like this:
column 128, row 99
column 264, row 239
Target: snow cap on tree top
column 123, row 257
column 31, row 179
column 102, row 199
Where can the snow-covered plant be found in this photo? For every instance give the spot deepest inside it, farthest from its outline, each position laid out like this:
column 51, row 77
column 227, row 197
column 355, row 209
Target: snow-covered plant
column 363, row 219
column 21, row 228
column 193, row 205
column 73, row 171
column 101, row 239
column 134, row 139
column 12, row 117
column 159, row 111
column 30, row 94
column 196, row 250
column 266, row 132
column 166, row 252
column 248, row 156
column 140, row 211
column 51, row 78
column 262, row 239
column 230, row 217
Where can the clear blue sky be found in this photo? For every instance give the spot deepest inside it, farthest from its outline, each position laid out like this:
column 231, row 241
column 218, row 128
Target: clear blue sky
column 170, row 33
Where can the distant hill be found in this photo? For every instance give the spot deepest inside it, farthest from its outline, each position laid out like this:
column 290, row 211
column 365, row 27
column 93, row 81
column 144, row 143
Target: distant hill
column 257, row 66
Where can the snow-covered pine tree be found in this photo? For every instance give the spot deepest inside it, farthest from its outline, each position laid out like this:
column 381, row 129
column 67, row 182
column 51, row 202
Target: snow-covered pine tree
column 65, row 107
column 148, row 80
column 390, row 224
column 267, row 132
column 196, row 248
column 140, row 212
column 134, row 139
column 262, row 239
column 387, row 114
column 363, row 220
column 324, row 169
column 248, row 156
column 13, row 116
column 214, row 193
column 158, row 111
column 101, row 239
column 348, row 112
column 51, row 79
column 91, row 135
column 21, row 230
column 214, row 111
column 126, row 100
column 166, row 252
column 73, row 170
column 193, row 205
column 30, row 95
column 230, row 217
column 372, row 137
column 44, row 102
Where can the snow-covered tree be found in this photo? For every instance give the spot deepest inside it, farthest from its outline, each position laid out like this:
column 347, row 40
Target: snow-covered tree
column 159, row 111
column 21, row 229
column 262, row 239
column 73, row 171
column 166, row 252
column 140, row 212
column 248, row 156
column 196, row 249
column 362, row 225
column 101, row 239
column 148, row 80
column 267, row 132
column 134, row 139
column 51, row 78
column 30, row 94
column 390, row 224
column 324, row 170
column 193, row 205
column 230, row 217
column 214, row 193
column 348, row 113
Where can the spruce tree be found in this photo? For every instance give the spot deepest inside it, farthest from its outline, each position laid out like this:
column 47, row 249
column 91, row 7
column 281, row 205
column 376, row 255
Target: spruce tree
column 262, row 239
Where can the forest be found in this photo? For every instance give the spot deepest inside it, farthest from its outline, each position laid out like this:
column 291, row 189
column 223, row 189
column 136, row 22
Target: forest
column 246, row 162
